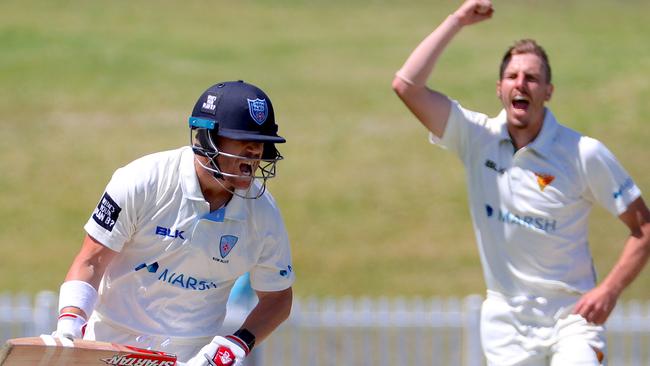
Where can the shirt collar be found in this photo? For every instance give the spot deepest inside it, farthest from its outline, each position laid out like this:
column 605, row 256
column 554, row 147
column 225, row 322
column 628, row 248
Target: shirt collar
column 502, row 119
column 547, row 136
column 235, row 209
column 543, row 142
column 189, row 181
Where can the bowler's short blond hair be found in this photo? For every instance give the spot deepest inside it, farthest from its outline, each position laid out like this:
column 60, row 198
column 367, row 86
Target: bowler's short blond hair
column 524, row 46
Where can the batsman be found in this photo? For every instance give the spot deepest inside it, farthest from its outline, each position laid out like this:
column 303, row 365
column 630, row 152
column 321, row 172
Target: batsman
column 532, row 183
column 173, row 231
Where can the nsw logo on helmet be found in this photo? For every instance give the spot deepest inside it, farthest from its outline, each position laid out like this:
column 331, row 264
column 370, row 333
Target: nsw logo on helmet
column 258, row 110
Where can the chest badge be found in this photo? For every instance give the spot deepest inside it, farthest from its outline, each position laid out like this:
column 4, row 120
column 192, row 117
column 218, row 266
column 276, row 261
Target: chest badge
column 226, row 244
column 543, row 180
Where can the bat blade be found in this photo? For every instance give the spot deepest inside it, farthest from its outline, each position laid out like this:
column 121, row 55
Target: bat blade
column 51, row 351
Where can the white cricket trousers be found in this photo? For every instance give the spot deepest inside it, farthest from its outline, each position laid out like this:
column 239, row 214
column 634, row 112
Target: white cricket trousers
column 535, row 331
column 100, row 329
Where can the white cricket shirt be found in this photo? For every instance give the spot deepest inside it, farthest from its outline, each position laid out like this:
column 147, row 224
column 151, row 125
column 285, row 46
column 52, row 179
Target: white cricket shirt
column 530, row 207
column 178, row 261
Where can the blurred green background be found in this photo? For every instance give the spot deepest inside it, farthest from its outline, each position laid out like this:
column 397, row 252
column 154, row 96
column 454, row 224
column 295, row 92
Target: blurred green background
column 372, row 209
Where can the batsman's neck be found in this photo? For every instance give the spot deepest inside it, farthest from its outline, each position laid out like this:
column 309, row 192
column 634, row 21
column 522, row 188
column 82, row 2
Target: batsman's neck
column 213, row 192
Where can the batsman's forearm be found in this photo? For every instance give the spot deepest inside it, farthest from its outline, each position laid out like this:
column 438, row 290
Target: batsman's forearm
column 86, row 272
column 418, row 67
column 271, row 310
column 90, row 263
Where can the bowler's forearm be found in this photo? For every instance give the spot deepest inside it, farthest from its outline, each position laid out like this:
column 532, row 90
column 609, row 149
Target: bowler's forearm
column 631, row 262
column 418, row 67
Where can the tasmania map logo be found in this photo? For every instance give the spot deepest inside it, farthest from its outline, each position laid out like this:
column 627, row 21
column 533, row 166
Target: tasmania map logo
column 543, row 180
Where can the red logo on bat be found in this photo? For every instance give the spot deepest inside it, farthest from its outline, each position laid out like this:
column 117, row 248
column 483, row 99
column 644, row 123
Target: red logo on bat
column 142, row 358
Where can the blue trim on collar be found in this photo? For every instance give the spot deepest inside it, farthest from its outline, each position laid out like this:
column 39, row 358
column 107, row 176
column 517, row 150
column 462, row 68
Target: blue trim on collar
column 216, row 216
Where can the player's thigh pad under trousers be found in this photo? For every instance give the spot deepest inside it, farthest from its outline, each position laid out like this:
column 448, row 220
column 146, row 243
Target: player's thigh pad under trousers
column 524, row 335
column 579, row 343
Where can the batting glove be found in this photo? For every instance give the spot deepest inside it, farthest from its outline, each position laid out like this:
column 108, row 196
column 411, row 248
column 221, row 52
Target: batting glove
column 70, row 325
column 222, row 351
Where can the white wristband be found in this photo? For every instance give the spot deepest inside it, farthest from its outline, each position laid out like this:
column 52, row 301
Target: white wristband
column 400, row 75
column 70, row 325
column 78, row 294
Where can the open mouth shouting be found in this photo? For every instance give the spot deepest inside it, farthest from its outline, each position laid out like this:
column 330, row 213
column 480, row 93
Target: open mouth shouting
column 246, row 169
column 520, row 103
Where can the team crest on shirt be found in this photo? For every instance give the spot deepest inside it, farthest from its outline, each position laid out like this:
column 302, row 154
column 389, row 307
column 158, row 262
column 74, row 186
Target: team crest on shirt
column 543, row 180
column 226, row 244
column 258, row 110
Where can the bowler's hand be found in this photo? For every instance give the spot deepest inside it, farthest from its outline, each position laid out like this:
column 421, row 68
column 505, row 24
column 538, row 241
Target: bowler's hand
column 474, row 11
column 596, row 305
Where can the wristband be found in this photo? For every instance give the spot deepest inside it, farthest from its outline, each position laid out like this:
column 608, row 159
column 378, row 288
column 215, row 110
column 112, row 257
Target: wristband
column 246, row 337
column 70, row 325
column 78, row 294
column 404, row 78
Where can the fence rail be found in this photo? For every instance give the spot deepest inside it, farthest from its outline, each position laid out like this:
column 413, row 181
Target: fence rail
column 364, row 331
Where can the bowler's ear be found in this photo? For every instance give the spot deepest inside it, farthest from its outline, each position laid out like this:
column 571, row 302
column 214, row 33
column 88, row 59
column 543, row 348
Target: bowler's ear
column 499, row 89
column 549, row 91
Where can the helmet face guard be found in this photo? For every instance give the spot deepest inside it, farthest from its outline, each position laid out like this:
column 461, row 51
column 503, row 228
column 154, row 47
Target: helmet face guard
column 238, row 111
column 262, row 168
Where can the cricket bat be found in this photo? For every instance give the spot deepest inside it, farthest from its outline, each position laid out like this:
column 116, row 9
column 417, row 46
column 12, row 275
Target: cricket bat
column 53, row 351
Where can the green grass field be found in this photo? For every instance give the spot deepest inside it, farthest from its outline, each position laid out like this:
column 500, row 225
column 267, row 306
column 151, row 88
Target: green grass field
column 371, row 208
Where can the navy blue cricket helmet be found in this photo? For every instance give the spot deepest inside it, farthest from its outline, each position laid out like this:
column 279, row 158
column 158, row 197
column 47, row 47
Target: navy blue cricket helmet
column 240, row 111
column 236, row 110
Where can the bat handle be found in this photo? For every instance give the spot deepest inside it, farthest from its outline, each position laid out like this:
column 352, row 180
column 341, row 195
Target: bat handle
column 207, row 357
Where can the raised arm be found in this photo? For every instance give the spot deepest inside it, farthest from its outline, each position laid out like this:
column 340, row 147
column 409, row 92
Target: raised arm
column 429, row 106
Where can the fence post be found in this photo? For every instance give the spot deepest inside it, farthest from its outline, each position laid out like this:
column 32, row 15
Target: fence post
column 22, row 313
column 45, row 312
column 471, row 330
column 6, row 319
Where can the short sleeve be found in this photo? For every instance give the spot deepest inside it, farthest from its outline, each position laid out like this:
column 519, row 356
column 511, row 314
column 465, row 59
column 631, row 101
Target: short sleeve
column 607, row 182
column 274, row 270
column 112, row 222
column 462, row 128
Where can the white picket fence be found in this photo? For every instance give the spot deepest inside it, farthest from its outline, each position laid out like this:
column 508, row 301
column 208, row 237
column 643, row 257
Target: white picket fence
column 365, row 331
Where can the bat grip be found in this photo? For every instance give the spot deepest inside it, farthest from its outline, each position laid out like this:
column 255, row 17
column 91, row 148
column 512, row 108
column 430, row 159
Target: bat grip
column 207, row 357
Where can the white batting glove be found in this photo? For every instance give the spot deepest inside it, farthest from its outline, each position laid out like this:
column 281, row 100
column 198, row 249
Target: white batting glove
column 222, row 351
column 70, row 325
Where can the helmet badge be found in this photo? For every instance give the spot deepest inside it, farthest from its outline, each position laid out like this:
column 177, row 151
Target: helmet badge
column 258, row 110
column 209, row 106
